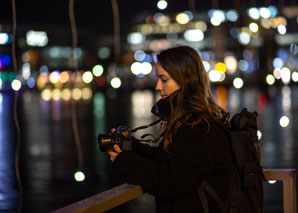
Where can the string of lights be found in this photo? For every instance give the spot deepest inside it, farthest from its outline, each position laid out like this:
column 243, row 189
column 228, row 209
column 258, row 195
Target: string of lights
column 79, row 175
column 15, row 114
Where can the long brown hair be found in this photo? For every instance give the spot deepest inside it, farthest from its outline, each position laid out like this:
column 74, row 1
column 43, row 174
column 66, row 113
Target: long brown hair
column 193, row 103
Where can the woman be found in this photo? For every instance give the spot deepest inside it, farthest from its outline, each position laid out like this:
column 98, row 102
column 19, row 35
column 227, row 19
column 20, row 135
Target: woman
column 193, row 148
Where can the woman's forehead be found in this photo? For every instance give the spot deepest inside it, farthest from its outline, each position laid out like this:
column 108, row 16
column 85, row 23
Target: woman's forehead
column 160, row 70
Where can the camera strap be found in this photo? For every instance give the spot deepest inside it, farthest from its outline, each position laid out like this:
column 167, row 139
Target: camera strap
column 145, row 126
column 145, row 135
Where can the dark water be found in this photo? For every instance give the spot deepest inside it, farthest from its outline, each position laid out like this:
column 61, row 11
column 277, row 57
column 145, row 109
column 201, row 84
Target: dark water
column 49, row 155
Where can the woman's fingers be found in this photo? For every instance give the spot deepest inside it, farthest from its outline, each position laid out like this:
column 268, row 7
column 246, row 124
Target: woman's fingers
column 117, row 148
column 113, row 155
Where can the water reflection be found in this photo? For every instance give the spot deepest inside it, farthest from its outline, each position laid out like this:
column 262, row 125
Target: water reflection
column 49, row 157
column 8, row 186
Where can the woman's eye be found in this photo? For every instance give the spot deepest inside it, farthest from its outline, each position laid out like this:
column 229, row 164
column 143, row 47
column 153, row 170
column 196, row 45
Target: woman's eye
column 164, row 80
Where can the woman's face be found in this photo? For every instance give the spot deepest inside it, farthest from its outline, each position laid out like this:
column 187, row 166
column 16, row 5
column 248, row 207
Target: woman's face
column 165, row 85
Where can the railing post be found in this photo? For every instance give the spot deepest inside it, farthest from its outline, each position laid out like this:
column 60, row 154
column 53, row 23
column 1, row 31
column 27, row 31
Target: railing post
column 288, row 178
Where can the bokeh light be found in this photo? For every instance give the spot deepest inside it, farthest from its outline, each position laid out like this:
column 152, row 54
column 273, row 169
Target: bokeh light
column 3, row 38
column 56, row 94
column 64, row 77
column 281, row 29
column 284, row 121
column 31, row 82
column 76, row 94
column 238, row 83
column 79, row 176
column 244, row 38
column 86, row 93
column 139, row 55
column 66, row 94
column 115, row 82
column 104, row 52
column 253, row 27
column 264, row 12
column 253, row 13
column 220, row 67
column 54, row 77
column 26, row 71
column 232, row 15
column 193, row 35
column 231, row 63
column 285, row 75
column 259, row 133
column 295, row 76
column 97, row 70
column 135, row 38
column 182, row 18
column 46, row 94
column 214, row 75
column 16, row 85
column 162, row 4
column 270, row 79
column 87, row 77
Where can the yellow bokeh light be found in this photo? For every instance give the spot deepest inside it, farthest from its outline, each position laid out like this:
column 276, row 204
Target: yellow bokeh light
column 182, row 18
column 46, row 94
column 54, row 77
column 76, row 94
column 56, row 94
column 266, row 23
column 66, row 94
column 86, row 93
column 220, row 67
column 64, row 77
column 201, row 25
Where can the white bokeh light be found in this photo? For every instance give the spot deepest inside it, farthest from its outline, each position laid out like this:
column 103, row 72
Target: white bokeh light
column 115, row 82
column 136, row 38
column 87, row 77
column 238, row 83
column 284, row 121
column 194, row 35
column 79, row 176
column 162, row 4
column 16, row 85
column 270, row 79
column 259, row 133
column 214, row 75
column 295, row 76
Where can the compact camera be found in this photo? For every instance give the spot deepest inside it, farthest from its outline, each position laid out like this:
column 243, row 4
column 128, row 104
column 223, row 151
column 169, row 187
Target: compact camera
column 121, row 137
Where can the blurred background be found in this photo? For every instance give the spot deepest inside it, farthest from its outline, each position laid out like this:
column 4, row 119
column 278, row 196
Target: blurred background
column 70, row 70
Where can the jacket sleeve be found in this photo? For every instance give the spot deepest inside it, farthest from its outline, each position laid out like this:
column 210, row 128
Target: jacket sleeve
column 178, row 171
column 144, row 149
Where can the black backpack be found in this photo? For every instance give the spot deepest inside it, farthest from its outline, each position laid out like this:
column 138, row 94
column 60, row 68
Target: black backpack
column 246, row 187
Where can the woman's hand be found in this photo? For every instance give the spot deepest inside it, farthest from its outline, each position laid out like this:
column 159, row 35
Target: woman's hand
column 114, row 154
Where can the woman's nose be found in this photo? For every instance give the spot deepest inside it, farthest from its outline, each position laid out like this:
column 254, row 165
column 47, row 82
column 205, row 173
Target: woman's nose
column 158, row 86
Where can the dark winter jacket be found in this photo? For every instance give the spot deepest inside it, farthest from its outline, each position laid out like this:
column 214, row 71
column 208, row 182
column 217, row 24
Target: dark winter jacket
column 195, row 154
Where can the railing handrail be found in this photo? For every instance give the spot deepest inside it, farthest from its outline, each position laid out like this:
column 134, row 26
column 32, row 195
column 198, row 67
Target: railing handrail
column 121, row 194
column 104, row 201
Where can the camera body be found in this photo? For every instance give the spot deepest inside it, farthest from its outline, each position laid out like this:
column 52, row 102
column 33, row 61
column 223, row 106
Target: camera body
column 121, row 137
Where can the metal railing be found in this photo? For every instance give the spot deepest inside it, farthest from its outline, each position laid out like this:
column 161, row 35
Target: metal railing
column 288, row 178
column 121, row 194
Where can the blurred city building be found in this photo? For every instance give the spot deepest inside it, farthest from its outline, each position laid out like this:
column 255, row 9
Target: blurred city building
column 241, row 44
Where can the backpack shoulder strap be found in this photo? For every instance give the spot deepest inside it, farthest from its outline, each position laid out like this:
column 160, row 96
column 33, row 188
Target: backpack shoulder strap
column 205, row 186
